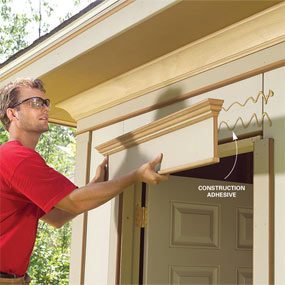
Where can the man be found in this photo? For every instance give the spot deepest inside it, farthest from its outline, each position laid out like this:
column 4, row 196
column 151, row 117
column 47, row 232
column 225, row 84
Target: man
column 30, row 190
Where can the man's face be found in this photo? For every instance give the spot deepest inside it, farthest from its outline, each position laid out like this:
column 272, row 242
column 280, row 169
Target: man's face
column 31, row 119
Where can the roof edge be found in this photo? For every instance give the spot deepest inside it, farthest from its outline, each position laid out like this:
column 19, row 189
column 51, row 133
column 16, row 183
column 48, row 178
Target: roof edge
column 52, row 32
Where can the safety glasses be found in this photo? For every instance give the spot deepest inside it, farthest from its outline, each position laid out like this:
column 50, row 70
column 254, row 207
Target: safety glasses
column 35, row 102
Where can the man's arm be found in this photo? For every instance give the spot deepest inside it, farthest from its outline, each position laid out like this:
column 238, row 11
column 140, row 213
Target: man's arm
column 95, row 194
column 57, row 218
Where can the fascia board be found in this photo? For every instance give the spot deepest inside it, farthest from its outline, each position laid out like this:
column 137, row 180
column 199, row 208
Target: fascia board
column 78, row 37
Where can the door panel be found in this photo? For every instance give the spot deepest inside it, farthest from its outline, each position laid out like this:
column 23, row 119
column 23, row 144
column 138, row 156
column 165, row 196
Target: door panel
column 194, row 275
column 195, row 239
column 194, row 225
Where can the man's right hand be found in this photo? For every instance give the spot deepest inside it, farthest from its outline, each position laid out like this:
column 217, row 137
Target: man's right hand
column 146, row 173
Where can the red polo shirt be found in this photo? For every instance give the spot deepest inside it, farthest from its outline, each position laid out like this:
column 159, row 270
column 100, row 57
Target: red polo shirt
column 28, row 189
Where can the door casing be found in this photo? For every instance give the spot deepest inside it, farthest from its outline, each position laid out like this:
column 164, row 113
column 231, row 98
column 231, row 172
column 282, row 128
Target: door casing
column 263, row 212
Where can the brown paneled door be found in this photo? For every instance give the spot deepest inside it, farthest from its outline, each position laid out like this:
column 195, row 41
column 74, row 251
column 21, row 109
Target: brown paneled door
column 193, row 237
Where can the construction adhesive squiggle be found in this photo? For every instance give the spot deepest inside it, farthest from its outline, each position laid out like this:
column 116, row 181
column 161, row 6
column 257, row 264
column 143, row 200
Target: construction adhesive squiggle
column 254, row 100
column 245, row 125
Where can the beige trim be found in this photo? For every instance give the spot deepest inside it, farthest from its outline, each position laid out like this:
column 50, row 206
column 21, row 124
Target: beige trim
column 130, row 236
column 85, row 217
column 186, row 117
column 62, row 123
column 120, row 221
column 271, row 212
column 79, row 224
column 244, row 146
column 185, row 96
column 84, row 236
column 196, row 164
column 253, row 34
column 215, row 137
column 263, row 234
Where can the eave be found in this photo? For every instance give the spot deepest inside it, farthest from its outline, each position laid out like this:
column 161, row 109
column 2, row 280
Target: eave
column 130, row 36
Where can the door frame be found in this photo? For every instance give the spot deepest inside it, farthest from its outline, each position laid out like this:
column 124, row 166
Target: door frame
column 263, row 213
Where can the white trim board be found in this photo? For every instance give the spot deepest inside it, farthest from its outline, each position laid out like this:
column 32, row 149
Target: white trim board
column 187, row 138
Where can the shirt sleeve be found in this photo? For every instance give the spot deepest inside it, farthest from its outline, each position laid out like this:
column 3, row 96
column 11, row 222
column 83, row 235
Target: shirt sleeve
column 40, row 183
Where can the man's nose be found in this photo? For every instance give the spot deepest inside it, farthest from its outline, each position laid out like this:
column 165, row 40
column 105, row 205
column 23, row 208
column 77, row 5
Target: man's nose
column 45, row 109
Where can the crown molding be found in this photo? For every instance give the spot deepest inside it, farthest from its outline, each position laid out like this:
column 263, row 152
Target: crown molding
column 198, row 112
column 246, row 37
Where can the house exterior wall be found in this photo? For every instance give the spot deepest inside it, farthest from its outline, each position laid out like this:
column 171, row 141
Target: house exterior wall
column 245, row 92
column 78, row 236
column 247, row 47
column 106, row 233
column 101, row 239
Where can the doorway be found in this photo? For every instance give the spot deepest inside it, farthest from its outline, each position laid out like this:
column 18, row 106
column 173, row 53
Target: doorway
column 200, row 226
column 256, row 172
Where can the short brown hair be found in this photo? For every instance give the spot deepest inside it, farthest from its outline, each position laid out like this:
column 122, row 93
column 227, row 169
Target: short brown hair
column 9, row 96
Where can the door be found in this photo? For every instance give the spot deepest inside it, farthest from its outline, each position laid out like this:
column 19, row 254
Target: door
column 194, row 239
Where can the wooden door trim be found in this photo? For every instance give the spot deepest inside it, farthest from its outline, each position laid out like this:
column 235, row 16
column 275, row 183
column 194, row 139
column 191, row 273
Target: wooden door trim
column 79, row 224
column 130, row 237
column 244, row 146
column 263, row 234
column 263, row 184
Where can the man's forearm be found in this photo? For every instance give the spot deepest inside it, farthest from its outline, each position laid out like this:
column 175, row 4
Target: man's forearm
column 95, row 194
column 57, row 218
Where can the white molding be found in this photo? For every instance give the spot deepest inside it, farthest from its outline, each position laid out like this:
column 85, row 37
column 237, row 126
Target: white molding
column 186, row 117
column 249, row 36
column 189, row 125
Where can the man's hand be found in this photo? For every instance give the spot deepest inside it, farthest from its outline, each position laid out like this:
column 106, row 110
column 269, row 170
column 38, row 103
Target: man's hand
column 95, row 194
column 102, row 172
column 147, row 173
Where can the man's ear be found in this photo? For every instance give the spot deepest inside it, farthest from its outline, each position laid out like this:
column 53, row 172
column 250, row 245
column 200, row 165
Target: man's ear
column 12, row 114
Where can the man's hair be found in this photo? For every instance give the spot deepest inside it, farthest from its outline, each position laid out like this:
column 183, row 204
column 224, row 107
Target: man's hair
column 9, row 95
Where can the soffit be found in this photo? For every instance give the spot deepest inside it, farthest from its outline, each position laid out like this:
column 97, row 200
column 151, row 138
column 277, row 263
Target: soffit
column 167, row 31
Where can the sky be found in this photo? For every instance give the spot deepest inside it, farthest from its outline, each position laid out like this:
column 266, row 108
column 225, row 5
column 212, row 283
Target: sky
column 61, row 8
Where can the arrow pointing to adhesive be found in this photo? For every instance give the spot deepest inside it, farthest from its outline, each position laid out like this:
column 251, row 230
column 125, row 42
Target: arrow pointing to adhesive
column 235, row 138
